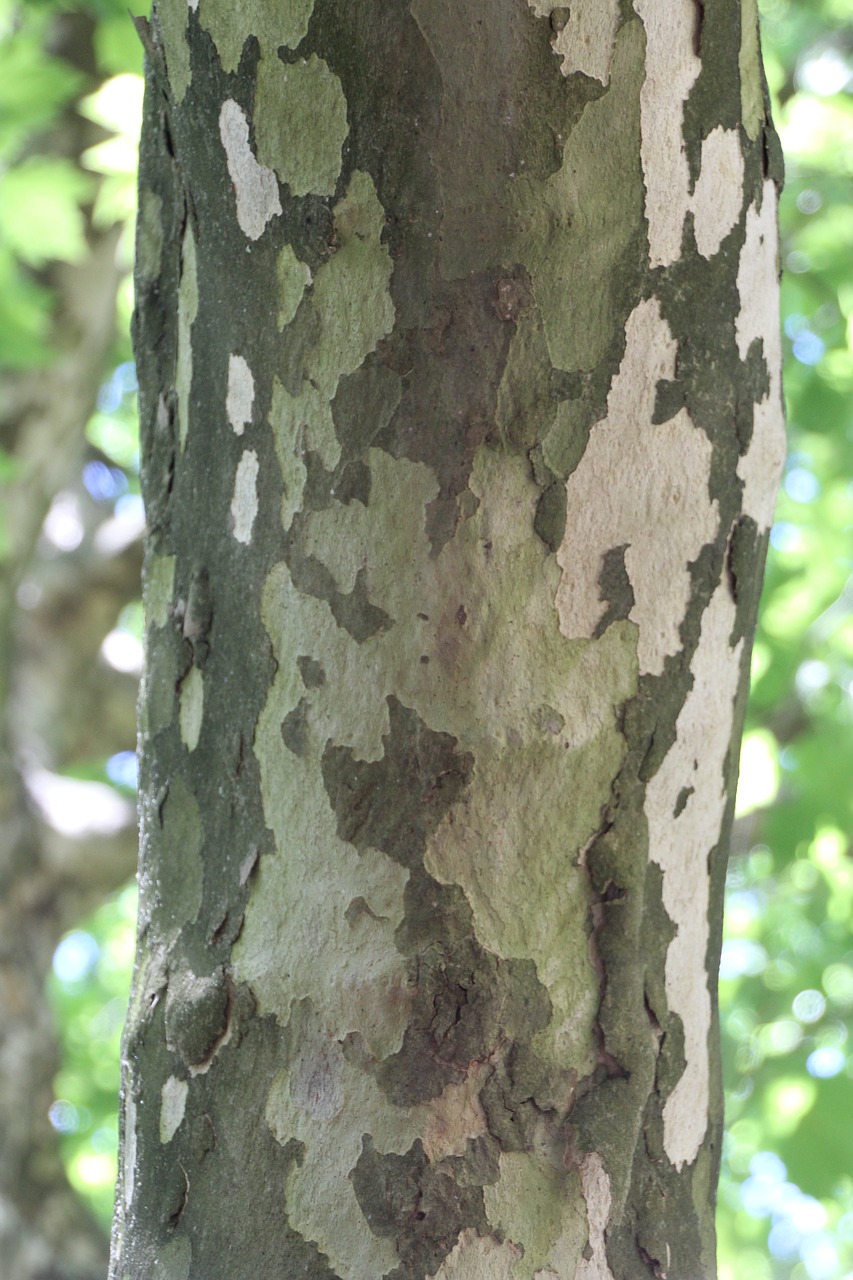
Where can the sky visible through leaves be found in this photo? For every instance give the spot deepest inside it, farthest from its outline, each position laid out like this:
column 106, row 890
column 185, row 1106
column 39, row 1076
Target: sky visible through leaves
column 786, row 993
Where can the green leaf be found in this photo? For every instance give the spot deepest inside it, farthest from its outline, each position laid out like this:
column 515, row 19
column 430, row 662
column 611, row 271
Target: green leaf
column 40, row 210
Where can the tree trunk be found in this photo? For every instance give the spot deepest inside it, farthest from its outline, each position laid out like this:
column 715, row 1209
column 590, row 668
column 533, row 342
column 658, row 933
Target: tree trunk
column 461, row 420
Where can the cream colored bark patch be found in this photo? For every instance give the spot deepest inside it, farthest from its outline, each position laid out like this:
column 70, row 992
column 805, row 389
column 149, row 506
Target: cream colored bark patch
column 476, row 1257
column 187, row 313
column 255, row 186
column 690, row 784
column 240, row 397
column 301, row 123
column 596, row 1192
column 761, row 468
column 672, row 69
column 587, row 40
column 651, row 486
column 129, row 1147
column 173, row 1104
column 718, row 195
column 244, row 503
column 192, row 708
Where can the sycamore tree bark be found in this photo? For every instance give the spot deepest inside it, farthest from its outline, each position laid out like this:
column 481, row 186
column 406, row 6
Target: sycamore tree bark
column 459, row 357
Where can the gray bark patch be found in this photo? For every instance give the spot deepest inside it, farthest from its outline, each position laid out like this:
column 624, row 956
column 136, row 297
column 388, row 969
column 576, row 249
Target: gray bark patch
column 421, row 1207
column 393, row 804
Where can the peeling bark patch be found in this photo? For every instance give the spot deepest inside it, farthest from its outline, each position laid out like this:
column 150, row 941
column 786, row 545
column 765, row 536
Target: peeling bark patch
column 173, row 1103
column 653, row 481
column 578, row 273
column 196, row 1016
column 255, row 186
column 159, row 586
column 301, row 123
column 231, row 25
column 752, row 97
column 586, row 41
column 244, row 503
column 191, row 708
column 325, row 1104
column 456, row 1117
column 178, row 890
column 672, row 69
column 527, row 1204
column 718, row 196
column 128, row 1146
column 596, row 1192
column 293, row 277
column 149, row 236
column 550, row 520
column 350, row 304
column 395, row 803
column 478, row 1257
column 681, row 846
column 761, row 467
column 187, row 313
column 240, row 396
column 172, row 19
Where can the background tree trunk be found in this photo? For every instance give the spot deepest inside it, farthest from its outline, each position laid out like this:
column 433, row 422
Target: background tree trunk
column 461, row 413
column 57, row 860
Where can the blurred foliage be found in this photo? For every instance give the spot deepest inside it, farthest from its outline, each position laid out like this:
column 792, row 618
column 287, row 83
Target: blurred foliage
column 88, row 991
column 47, row 201
column 786, row 1199
column 42, row 193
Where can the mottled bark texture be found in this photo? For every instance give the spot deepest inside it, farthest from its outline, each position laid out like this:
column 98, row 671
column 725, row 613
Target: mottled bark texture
column 461, row 411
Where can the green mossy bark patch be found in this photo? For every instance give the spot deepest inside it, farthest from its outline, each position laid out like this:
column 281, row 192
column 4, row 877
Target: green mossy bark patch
column 301, row 99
